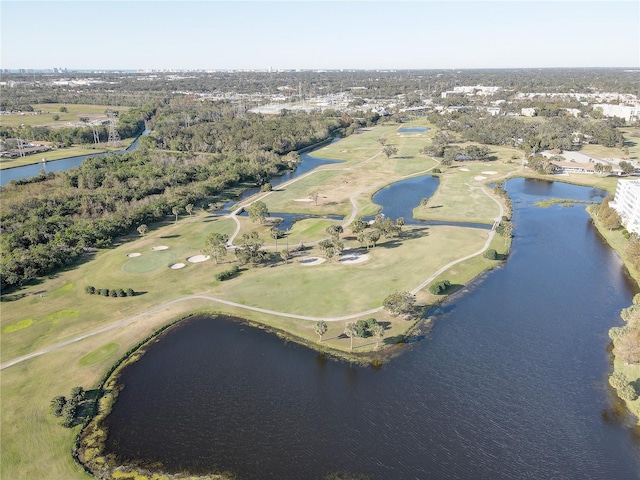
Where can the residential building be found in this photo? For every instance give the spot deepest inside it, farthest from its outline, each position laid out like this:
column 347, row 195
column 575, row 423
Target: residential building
column 627, row 204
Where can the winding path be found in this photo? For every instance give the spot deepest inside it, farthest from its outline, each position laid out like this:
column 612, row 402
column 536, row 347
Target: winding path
column 233, row 215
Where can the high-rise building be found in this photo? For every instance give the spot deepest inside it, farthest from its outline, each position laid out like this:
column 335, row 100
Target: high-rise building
column 627, row 204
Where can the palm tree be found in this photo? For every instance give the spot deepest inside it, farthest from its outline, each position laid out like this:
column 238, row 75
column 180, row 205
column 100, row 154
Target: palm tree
column 143, row 229
column 351, row 331
column 176, row 212
column 189, row 209
column 378, row 332
column 321, row 328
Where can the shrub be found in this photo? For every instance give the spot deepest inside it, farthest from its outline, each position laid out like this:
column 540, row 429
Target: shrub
column 440, row 287
column 226, row 274
column 104, row 292
column 113, row 293
column 57, row 405
column 130, row 292
column 121, row 293
column 491, row 254
column 90, row 289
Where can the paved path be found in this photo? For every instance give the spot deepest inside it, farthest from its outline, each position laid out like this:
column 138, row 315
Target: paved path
column 122, row 323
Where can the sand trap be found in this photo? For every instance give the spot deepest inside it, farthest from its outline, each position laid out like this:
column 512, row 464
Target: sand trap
column 136, row 254
column 160, row 247
column 303, row 200
column 307, row 261
column 464, row 169
column 177, row 266
column 480, row 177
column 489, row 172
column 354, row 258
column 343, row 151
column 198, row 258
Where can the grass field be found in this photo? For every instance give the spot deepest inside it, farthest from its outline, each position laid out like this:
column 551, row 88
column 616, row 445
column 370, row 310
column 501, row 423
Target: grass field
column 57, row 309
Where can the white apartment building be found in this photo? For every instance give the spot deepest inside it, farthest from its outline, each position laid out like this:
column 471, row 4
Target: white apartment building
column 627, row 204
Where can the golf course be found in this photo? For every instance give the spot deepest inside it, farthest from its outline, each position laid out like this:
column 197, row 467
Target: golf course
column 56, row 336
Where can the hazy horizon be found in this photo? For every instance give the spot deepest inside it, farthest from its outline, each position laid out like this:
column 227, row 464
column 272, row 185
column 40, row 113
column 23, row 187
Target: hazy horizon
column 318, row 35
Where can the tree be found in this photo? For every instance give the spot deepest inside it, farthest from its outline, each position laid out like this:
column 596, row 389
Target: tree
column 321, row 328
column 250, row 250
column 334, row 231
column 382, row 141
column 389, row 150
column 56, row 117
column 400, row 303
column 330, row 248
column 258, row 211
column 275, row 234
column 314, row 196
column 215, row 245
column 143, row 229
column 378, row 331
column 63, row 109
column 358, row 226
column 78, row 394
column 267, row 187
column 440, row 287
column 627, row 167
column 491, row 254
column 57, row 405
column 350, row 331
column 189, row 209
column 285, row 255
column 176, row 211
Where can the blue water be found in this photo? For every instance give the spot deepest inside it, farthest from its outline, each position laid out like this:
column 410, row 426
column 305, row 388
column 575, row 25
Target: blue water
column 412, row 129
column 61, row 165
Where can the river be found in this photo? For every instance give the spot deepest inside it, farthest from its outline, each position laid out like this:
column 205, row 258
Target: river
column 511, row 382
column 61, row 165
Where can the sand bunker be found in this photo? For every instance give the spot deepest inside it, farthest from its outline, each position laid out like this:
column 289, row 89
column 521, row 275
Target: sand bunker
column 177, row 266
column 136, row 254
column 303, row 200
column 480, row 177
column 160, row 247
column 489, row 172
column 307, row 261
column 354, row 258
column 198, row 258
column 464, row 169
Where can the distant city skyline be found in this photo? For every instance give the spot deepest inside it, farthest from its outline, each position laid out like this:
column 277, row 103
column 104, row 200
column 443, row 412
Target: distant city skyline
column 311, row 35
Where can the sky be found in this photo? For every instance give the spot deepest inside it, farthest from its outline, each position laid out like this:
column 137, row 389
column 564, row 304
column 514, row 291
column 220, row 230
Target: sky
column 300, row 34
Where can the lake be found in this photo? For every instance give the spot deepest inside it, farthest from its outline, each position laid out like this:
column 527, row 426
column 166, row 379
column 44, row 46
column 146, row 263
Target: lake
column 510, row 383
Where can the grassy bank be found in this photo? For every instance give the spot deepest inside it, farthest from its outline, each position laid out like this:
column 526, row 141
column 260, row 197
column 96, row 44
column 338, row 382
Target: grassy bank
column 631, row 372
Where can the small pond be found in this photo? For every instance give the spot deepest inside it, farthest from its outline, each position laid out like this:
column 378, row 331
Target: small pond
column 412, row 129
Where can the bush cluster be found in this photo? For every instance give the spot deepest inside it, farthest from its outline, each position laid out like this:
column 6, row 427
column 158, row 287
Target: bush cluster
column 440, row 287
column 226, row 274
column 491, row 254
column 106, row 292
column 68, row 408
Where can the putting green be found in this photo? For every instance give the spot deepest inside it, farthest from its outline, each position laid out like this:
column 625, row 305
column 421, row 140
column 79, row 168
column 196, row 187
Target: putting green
column 150, row 261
